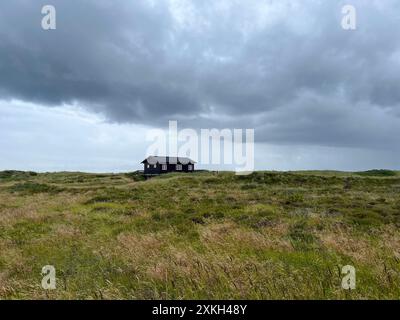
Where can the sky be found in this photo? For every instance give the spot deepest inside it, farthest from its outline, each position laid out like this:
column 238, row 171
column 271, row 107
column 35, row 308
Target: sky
column 84, row 96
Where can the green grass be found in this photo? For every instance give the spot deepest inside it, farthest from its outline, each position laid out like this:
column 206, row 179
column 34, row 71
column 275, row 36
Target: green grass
column 30, row 188
column 378, row 173
column 269, row 235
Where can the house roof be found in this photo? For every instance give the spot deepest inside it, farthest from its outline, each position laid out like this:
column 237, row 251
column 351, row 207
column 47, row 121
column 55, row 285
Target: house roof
column 168, row 160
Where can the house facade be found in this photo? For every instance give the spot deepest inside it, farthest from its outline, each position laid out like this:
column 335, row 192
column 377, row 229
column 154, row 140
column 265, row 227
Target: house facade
column 160, row 165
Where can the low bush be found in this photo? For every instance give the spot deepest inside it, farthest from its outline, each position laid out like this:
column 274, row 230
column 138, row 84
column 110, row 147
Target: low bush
column 30, row 188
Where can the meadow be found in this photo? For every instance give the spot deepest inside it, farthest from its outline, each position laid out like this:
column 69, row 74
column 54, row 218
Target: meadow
column 206, row 235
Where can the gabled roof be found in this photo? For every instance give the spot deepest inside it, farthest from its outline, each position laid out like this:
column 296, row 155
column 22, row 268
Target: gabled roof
column 168, row 160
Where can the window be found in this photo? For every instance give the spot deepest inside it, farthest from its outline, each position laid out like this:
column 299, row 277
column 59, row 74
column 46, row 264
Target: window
column 190, row 167
column 178, row 167
column 154, row 166
column 164, row 167
column 148, row 166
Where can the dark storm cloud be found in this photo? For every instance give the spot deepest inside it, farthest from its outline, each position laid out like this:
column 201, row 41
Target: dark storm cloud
column 285, row 68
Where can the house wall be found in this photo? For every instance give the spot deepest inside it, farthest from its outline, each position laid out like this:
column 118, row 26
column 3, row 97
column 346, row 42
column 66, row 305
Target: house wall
column 152, row 170
column 170, row 168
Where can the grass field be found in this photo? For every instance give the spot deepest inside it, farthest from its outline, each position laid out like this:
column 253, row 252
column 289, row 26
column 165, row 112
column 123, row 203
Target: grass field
column 269, row 235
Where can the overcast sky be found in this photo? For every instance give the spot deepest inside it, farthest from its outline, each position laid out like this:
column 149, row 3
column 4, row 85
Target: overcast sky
column 83, row 96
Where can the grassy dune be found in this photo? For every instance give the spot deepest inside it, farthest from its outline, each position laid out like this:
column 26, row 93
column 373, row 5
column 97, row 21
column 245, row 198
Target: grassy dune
column 269, row 235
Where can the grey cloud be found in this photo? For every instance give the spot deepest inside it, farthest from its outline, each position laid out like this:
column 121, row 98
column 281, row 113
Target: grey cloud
column 286, row 68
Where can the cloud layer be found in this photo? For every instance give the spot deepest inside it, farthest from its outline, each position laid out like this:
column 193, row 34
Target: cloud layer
column 284, row 67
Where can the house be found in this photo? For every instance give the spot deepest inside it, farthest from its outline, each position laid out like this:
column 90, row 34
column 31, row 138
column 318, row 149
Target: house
column 159, row 165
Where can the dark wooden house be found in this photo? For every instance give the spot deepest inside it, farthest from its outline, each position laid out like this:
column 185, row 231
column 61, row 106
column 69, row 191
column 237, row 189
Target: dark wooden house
column 159, row 165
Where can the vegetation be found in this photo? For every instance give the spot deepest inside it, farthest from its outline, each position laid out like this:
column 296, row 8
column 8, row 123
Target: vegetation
column 375, row 172
column 269, row 235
